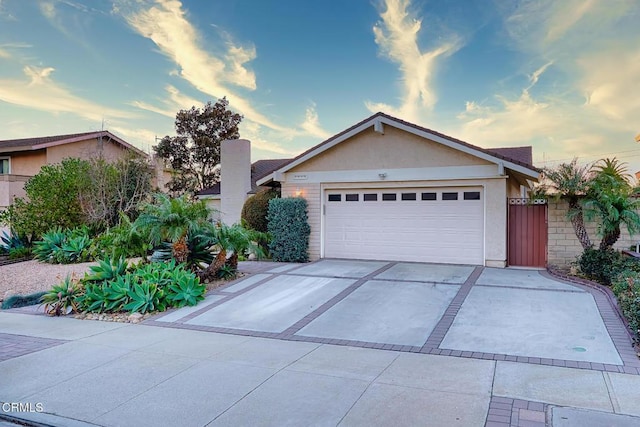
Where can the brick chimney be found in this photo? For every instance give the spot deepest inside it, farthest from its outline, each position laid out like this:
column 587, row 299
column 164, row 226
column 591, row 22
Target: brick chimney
column 235, row 178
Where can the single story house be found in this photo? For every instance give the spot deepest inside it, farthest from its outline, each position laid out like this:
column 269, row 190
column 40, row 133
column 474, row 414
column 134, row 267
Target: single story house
column 392, row 190
column 20, row 159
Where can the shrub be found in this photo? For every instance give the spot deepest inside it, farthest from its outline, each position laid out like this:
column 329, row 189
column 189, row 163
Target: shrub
column 17, row 253
column 626, row 287
column 603, row 266
column 120, row 241
column 289, row 228
column 256, row 209
column 15, row 301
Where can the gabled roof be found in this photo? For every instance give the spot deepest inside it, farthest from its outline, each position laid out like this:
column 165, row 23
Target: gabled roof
column 522, row 164
column 30, row 144
column 259, row 169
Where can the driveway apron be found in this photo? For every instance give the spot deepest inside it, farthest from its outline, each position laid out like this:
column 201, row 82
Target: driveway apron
column 500, row 314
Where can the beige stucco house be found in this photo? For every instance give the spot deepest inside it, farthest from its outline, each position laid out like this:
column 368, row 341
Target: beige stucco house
column 388, row 189
column 20, row 159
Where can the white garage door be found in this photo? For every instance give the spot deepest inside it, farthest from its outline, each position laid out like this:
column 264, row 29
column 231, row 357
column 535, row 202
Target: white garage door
column 441, row 225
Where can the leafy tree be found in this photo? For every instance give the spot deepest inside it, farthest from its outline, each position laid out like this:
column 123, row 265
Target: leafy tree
column 171, row 220
column 80, row 192
column 194, row 154
column 52, row 199
column 571, row 182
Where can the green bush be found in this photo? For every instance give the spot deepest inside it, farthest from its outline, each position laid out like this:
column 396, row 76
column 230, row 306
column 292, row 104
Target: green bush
column 17, row 253
column 626, row 287
column 604, row 266
column 256, row 209
column 120, row 241
column 289, row 228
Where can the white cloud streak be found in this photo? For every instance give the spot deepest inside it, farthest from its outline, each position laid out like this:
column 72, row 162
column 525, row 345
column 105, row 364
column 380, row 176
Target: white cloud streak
column 397, row 37
column 311, row 124
column 40, row 92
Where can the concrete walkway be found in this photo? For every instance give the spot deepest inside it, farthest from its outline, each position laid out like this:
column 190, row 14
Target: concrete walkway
column 67, row 372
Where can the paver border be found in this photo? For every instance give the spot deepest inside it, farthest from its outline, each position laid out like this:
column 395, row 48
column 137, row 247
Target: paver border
column 15, row 345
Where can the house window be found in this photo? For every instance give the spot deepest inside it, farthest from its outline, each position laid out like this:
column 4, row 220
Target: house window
column 449, row 196
column 428, row 196
column 389, row 196
column 472, row 195
column 408, row 196
column 351, row 197
column 4, row 166
column 335, row 197
column 371, row 197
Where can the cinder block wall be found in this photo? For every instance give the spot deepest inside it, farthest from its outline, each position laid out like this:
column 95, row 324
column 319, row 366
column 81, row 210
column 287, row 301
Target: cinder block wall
column 563, row 246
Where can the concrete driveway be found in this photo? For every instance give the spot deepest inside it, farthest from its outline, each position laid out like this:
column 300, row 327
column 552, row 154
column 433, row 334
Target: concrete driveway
column 416, row 308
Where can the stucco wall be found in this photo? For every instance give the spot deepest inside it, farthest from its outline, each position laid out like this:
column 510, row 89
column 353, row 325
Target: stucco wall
column 563, row 246
column 214, row 207
column 11, row 187
column 396, row 148
column 28, row 162
column 85, row 150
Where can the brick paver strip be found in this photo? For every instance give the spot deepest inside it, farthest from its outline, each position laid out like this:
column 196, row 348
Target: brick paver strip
column 508, row 412
column 442, row 327
column 18, row 345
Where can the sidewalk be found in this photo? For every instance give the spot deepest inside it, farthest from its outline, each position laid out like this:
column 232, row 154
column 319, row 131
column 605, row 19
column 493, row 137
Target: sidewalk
column 109, row 374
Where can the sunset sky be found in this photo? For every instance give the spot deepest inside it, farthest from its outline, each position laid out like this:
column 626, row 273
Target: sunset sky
column 561, row 75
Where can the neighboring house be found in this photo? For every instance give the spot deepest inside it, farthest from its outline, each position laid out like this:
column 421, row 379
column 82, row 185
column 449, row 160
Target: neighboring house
column 20, row 159
column 391, row 190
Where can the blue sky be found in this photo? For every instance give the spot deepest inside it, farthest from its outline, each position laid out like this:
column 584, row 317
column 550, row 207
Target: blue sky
column 561, row 75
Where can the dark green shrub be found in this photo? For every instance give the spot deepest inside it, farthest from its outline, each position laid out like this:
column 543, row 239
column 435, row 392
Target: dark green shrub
column 626, row 287
column 256, row 209
column 120, row 241
column 604, row 266
column 289, row 229
column 17, row 253
column 15, row 301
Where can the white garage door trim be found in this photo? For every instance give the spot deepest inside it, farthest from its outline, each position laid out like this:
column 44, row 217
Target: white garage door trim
column 354, row 228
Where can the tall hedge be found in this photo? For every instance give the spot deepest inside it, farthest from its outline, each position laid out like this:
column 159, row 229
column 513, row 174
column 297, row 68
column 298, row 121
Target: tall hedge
column 256, row 209
column 289, row 227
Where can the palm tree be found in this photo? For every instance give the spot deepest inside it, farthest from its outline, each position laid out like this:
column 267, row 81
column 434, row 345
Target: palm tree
column 235, row 239
column 613, row 168
column 171, row 220
column 612, row 200
column 571, row 182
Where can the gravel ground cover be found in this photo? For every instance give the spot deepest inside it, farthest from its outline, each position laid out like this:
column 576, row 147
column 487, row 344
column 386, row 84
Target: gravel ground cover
column 27, row 277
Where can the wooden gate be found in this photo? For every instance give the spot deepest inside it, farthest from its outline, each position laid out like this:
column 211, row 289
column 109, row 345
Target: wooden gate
column 527, row 233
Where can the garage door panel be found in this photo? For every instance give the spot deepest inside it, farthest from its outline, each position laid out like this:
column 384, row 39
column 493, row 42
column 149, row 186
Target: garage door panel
column 448, row 231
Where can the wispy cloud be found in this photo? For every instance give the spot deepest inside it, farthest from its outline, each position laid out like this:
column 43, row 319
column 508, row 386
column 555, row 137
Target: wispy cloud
column 591, row 93
column 397, row 35
column 170, row 105
column 39, row 91
column 165, row 23
column 311, row 124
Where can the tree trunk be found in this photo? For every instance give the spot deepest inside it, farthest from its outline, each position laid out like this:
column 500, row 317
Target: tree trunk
column 577, row 221
column 609, row 239
column 180, row 250
column 211, row 272
column 233, row 261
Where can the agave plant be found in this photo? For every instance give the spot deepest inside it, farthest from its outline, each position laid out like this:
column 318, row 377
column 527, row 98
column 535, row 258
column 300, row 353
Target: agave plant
column 45, row 250
column 145, row 297
column 107, row 269
column 62, row 298
column 186, row 290
column 75, row 249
